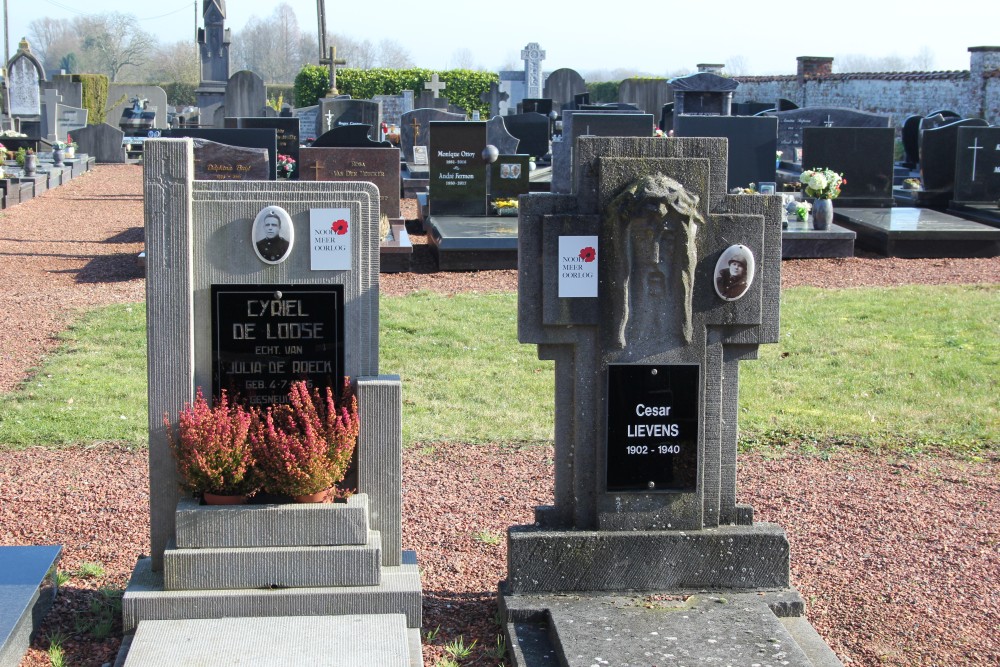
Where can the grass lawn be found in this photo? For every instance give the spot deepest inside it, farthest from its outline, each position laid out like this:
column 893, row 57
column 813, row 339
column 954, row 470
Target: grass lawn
column 905, row 368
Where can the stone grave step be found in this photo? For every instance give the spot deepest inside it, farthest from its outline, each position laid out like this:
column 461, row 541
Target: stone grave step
column 802, row 241
column 398, row 591
column 273, row 567
column 472, row 243
column 918, row 232
column 320, row 641
column 27, row 588
column 288, row 525
column 664, row 627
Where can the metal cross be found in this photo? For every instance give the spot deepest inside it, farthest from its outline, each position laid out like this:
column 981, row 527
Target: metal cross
column 974, row 147
column 829, row 121
column 317, row 167
column 333, row 61
column 329, row 120
column 416, row 130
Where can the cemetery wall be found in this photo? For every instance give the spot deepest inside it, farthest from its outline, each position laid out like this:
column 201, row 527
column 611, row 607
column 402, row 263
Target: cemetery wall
column 972, row 93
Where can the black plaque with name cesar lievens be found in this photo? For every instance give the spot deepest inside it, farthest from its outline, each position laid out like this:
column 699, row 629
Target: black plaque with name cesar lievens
column 652, row 427
column 265, row 338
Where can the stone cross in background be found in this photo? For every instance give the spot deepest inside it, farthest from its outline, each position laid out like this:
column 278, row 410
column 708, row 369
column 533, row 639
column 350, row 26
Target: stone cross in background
column 332, row 61
column 435, row 85
column 532, row 55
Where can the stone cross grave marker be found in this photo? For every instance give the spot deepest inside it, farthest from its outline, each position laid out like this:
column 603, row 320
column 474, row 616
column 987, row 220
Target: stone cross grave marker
column 435, row 85
column 532, row 55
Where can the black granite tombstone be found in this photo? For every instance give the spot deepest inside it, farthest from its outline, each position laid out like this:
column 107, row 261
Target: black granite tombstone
column 910, row 134
column 862, row 154
column 532, row 129
column 457, row 169
column 791, row 123
column 536, row 105
column 703, row 93
column 509, row 177
column 287, row 129
column 260, row 138
column 349, row 136
column 752, row 142
column 215, row 161
column 977, row 165
column 938, row 150
column 338, row 111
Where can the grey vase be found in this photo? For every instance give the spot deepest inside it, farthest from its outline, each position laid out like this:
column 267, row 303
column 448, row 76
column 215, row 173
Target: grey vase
column 29, row 164
column 822, row 213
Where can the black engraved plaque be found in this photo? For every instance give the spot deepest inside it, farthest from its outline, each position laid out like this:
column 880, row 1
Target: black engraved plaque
column 263, row 339
column 652, row 427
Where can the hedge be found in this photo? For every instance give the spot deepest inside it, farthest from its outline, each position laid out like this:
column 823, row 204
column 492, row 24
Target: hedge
column 95, row 96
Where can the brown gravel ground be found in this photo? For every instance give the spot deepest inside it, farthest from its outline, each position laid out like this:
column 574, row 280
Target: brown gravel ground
column 897, row 556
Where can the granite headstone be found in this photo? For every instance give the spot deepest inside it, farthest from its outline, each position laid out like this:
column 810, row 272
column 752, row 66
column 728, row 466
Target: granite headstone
column 457, row 169
column 414, row 128
column 862, row 154
column 375, row 165
column 752, row 142
column 977, row 165
column 339, row 112
column 497, row 135
column 259, row 138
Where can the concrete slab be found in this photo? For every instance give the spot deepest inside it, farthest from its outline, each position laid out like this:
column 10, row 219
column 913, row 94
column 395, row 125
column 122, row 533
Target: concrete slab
column 659, row 628
column 800, row 240
column 473, row 243
column 918, row 232
column 398, row 591
column 27, row 589
column 322, row 641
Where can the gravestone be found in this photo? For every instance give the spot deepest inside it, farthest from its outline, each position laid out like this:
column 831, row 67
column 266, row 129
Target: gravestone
column 703, row 93
column 394, row 106
column 533, row 55
column 791, row 123
column 69, row 120
column 938, row 153
column 259, row 138
column 206, row 274
column 156, row 98
column 497, row 99
column 26, row 73
column 862, row 154
column 221, row 162
column 536, row 105
column 308, row 122
column 348, row 136
column 509, row 177
column 633, row 287
column 611, row 123
column 497, row 135
column 752, row 144
column 648, row 95
column 414, row 130
column 287, row 129
column 375, row 165
column 910, row 134
column 562, row 85
column 458, row 172
column 340, row 112
column 531, row 131
column 977, row 166
column 102, row 142
column 246, row 95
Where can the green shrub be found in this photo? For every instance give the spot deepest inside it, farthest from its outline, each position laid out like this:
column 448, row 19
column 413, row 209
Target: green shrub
column 311, row 83
column 95, row 96
column 603, row 91
column 180, row 94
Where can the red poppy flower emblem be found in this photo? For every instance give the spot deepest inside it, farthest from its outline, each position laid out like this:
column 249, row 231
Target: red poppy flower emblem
column 339, row 227
column 588, row 254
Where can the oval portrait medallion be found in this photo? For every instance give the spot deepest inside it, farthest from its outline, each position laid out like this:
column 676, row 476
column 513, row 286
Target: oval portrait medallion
column 734, row 272
column 273, row 235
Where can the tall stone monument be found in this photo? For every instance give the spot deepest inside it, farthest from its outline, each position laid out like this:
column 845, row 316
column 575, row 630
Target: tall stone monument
column 647, row 287
column 532, row 55
column 25, row 74
column 213, row 44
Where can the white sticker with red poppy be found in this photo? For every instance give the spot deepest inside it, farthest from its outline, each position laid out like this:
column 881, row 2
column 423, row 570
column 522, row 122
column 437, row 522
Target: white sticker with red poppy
column 577, row 266
column 330, row 236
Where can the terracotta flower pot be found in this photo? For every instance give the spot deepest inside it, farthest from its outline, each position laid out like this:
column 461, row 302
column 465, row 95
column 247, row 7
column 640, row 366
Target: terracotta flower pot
column 324, row 496
column 219, row 499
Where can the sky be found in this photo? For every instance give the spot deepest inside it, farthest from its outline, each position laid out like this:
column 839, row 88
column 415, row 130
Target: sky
column 588, row 35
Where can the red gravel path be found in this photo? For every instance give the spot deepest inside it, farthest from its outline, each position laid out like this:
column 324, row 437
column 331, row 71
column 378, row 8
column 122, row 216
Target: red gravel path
column 897, row 558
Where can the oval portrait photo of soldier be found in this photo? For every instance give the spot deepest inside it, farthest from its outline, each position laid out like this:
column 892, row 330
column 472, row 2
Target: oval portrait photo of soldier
column 273, row 235
column 734, row 272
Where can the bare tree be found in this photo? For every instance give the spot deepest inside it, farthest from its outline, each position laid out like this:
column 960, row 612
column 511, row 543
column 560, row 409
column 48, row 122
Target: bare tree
column 393, row 55
column 274, row 48
column 52, row 40
column 924, row 60
column 462, row 59
column 854, row 62
column 115, row 41
column 737, row 66
column 178, row 62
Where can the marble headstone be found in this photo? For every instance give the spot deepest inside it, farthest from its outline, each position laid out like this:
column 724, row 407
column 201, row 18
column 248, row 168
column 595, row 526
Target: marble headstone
column 414, row 128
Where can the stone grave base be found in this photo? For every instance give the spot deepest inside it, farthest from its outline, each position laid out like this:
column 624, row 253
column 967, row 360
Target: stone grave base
column 765, row 627
column 919, row 198
column 918, row 232
column 473, row 243
column 396, row 256
column 800, row 241
column 323, row 641
column 540, row 180
column 985, row 214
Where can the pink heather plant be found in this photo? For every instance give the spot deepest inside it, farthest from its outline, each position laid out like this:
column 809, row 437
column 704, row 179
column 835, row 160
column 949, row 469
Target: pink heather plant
column 306, row 446
column 212, row 447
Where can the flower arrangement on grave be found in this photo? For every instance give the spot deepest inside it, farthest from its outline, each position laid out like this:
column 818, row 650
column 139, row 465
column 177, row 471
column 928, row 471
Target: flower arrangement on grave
column 748, row 190
column 286, row 165
column 69, row 141
column 12, row 134
column 505, row 206
column 212, row 447
column 822, row 183
column 802, row 209
column 912, row 184
column 305, row 447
